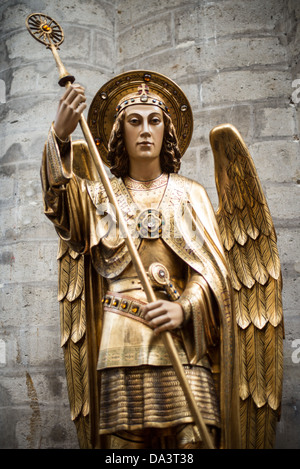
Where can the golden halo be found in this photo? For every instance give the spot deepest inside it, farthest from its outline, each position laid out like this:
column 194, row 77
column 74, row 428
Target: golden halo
column 102, row 111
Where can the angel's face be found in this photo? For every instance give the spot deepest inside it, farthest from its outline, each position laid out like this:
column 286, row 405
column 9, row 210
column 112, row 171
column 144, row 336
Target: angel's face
column 143, row 132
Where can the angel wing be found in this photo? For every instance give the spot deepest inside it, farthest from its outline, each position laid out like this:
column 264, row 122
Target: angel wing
column 79, row 291
column 250, row 245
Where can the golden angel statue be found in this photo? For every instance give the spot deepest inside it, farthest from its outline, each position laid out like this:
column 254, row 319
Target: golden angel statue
column 216, row 276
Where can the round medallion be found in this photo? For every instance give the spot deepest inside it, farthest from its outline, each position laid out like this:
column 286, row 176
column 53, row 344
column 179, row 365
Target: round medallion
column 159, row 273
column 150, row 224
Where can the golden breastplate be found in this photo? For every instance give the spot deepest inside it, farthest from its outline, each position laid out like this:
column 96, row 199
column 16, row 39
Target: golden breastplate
column 147, row 195
column 150, row 251
column 129, row 342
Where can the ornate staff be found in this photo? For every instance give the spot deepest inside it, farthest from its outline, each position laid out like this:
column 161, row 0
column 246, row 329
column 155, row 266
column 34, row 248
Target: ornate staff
column 47, row 31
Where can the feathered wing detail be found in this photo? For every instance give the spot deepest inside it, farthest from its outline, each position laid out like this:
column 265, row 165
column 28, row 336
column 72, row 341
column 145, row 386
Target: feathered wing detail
column 79, row 295
column 249, row 241
column 73, row 337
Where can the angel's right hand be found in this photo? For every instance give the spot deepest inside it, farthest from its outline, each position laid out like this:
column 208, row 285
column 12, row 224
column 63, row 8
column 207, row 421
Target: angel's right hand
column 70, row 108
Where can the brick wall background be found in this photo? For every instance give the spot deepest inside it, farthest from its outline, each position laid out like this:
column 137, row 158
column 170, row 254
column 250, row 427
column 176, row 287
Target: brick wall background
column 237, row 62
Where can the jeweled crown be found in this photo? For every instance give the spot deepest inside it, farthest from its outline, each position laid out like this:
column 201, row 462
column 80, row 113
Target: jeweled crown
column 142, row 96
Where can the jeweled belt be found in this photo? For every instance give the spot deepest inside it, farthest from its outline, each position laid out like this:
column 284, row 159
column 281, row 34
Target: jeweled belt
column 124, row 305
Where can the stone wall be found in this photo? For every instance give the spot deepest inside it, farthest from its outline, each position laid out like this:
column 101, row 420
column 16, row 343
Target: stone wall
column 237, row 62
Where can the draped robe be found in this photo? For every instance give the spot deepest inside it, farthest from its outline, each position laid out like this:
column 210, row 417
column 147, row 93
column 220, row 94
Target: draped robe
column 83, row 217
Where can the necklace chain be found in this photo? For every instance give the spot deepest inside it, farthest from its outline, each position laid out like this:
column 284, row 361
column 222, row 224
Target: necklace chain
column 151, row 184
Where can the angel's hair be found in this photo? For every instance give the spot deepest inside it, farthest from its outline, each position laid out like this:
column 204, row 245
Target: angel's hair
column 170, row 156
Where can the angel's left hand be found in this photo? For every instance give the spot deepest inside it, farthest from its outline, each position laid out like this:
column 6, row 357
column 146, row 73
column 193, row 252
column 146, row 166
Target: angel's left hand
column 163, row 315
